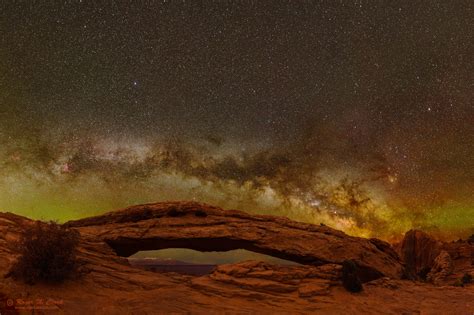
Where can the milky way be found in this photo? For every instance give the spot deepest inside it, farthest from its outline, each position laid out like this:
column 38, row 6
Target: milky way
column 353, row 114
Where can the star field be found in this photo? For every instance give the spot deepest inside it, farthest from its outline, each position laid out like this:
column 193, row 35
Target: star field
column 357, row 114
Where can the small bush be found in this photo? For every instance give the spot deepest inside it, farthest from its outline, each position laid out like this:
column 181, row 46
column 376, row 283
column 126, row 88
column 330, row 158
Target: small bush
column 423, row 273
column 471, row 239
column 350, row 279
column 466, row 278
column 47, row 253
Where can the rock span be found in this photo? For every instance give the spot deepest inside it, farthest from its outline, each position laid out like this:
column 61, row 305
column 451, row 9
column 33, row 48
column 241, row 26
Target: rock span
column 207, row 228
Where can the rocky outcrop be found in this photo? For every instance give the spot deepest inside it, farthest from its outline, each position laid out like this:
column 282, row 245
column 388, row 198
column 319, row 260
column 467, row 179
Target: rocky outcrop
column 109, row 285
column 206, row 228
column 462, row 254
column 441, row 269
column 11, row 227
column 261, row 277
column 350, row 279
column 429, row 259
column 418, row 251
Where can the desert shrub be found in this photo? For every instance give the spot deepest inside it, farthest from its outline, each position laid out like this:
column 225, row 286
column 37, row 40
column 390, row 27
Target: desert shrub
column 471, row 239
column 423, row 273
column 466, row 278
column 350, row 279
column 407, row 274
column 47, row 253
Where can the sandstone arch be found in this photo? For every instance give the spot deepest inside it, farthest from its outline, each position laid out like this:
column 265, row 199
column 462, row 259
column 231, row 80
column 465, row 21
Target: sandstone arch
column 207, row 228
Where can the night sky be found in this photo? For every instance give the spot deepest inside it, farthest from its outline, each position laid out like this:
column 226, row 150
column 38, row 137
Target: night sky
column 356, row 114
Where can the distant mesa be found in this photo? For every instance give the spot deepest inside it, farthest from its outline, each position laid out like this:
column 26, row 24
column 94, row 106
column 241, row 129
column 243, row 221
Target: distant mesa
column 172, row 265
column 157, row 261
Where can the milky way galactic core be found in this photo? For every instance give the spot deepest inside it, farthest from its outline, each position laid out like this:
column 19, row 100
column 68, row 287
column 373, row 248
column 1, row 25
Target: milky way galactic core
column 353, row 114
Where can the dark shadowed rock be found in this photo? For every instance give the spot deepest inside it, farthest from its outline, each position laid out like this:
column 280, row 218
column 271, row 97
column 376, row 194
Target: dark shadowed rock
column 418, row 252
column 350, row 279
column 470, row 240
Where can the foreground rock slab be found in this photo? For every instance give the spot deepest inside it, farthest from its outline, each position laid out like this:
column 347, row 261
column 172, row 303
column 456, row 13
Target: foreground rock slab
column 108, row 284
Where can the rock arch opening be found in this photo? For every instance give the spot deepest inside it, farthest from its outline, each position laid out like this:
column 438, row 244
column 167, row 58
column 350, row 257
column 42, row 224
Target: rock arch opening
column 127, row 247
column 189, row 261
column 206, row 228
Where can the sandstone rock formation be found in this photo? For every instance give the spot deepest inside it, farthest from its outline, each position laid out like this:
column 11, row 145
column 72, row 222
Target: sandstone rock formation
column 110, row 285
column 441, row 269
column 418, row 251
column 424, row 258
column 462, row 254
column 260, row 277
column 206, row 228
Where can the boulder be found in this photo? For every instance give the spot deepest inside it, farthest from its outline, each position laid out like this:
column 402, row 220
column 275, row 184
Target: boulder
column 441, row 269
column 350, row 278
column 418, row 251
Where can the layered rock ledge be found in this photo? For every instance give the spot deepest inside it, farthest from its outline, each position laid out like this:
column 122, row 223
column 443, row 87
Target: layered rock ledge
column 108, row 284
